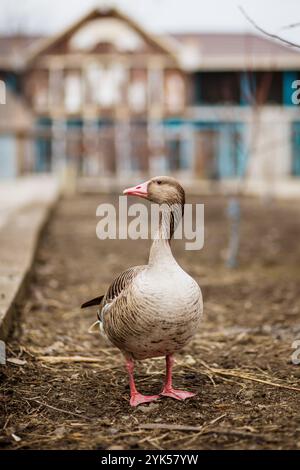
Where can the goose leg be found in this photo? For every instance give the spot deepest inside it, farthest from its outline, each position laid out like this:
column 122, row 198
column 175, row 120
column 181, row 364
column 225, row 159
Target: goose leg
column 168, row 390
column 136, row 398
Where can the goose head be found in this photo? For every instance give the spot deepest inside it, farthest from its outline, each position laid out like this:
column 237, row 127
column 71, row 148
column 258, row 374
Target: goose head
column 160, row 190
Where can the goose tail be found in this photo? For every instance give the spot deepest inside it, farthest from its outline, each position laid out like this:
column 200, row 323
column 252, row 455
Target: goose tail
column 91, row 303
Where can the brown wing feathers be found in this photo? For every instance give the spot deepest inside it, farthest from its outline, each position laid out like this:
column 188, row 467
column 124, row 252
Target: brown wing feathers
column 121, row 282
column 117, row 286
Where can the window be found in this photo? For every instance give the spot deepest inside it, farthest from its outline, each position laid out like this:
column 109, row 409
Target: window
column 92, row 83
column 156, row 91
column 39, row 88
column 175, row 92
column 73, row 92
column 56, row 92
column 269, row 87
column 137, row 91
column 217, row 87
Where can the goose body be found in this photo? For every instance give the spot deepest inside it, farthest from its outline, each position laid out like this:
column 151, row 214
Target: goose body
column 152, row 310
column 156, row 314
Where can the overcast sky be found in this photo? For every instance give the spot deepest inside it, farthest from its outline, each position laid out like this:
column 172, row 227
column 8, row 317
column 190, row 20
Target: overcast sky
column 48, row 16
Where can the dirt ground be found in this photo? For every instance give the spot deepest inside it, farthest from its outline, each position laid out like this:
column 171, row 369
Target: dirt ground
column 248, row 389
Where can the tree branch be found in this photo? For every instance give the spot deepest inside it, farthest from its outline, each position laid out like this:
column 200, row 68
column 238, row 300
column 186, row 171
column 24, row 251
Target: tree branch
column 271, row 35
column 290, row 26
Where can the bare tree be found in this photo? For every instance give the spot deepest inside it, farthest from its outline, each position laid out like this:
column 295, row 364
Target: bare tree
column 267, row 33
column 257, row 102
column 257, row 99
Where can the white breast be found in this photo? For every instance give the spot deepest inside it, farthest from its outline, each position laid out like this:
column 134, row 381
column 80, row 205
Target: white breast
column 170, row 290
column 170, row 309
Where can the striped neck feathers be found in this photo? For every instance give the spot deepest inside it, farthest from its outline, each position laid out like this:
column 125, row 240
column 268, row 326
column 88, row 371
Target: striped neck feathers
column 170, row 216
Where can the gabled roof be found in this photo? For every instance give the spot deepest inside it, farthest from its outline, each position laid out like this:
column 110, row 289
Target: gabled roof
column 45, row 45
column 193, row 51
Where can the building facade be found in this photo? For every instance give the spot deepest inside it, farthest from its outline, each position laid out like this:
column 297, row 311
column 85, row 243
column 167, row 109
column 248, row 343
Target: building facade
column 112, row 100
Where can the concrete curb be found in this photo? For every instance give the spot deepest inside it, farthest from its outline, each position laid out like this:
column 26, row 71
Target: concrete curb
column 18, row 243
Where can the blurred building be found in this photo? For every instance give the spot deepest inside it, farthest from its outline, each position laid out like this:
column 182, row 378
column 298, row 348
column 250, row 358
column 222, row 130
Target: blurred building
column 111, row 99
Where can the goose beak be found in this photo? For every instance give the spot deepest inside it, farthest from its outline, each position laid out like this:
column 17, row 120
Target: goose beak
column 141, row 190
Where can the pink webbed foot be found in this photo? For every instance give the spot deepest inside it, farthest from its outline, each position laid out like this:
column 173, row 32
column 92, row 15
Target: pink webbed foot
column 168, row 390
column 177, row 394
column 138, row 399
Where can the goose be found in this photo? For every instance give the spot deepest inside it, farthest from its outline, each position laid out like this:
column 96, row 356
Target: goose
column 153, row 310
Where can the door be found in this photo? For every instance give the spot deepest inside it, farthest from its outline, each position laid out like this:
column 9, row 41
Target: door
column 206, row 149
column 43, row 146
column 231, row 161
column 296, row 149
column 8, row 156
column 220, row 150
column 43, row 155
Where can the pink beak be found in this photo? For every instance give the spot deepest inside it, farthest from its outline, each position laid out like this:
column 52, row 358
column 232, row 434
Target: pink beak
column 140, row 190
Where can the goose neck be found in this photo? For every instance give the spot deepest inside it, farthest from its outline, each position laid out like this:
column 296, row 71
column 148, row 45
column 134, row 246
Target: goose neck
column 169, row 218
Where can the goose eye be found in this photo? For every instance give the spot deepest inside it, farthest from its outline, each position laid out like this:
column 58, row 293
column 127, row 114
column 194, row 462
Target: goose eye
column 158, row 182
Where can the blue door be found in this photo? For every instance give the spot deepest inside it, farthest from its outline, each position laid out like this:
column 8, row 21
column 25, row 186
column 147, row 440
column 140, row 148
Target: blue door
column 43, row 146
column 8, row 156
column 225, row 155
column 231, row 161
column 296, row 148
column 43, row 155
column 179, row 155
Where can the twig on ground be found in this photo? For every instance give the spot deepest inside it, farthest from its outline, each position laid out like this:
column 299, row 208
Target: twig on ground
column 246, row 376
column 55, row 409
column 70, row 359
column 170, row 427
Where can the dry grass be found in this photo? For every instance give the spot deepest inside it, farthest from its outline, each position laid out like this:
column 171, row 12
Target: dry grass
column 66, row 389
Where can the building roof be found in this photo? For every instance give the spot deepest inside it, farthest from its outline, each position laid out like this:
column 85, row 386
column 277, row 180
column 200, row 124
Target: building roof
column 160, row 43
column 219, row 51
column 194, row 51
column 14, row 49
